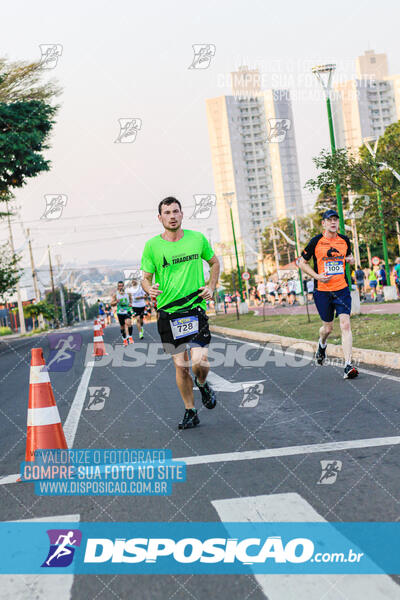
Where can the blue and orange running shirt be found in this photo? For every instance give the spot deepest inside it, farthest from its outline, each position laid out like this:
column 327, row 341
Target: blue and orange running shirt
column 329, row 257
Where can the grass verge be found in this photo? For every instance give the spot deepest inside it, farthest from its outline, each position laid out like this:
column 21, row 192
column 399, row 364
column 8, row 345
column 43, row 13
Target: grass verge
column 376, row 332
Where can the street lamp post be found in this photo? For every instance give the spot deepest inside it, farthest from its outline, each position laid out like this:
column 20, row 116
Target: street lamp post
column 380, row 209
column 228, row 197
column 324, row 74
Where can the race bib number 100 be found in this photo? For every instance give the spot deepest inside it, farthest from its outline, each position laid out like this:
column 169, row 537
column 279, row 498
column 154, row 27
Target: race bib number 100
column 184, row 326
column 334, row 267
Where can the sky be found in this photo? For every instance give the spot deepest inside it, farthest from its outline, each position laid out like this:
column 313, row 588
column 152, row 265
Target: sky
column 131, row 60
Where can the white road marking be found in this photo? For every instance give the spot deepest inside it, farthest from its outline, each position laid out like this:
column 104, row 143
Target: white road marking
column 39, row 587
column 220, row 384
column 289, row 450
column 293, row 508
column 71, row 423
column 9, row 478
column 271, row 452
column 366, row 371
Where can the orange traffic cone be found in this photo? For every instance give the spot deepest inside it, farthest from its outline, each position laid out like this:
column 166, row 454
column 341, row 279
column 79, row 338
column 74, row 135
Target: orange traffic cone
column 101, row 323
column 98, row 344
column 44, row 425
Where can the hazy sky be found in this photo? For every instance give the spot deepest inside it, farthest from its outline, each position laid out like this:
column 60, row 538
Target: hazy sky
column 130, row 60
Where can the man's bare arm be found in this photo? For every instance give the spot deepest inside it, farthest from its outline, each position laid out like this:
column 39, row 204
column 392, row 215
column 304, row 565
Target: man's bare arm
column 308, row 270
column 208, row 290
column 149, row 288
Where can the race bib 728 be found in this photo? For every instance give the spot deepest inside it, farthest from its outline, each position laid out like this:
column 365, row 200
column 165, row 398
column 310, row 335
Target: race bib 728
column 184, row 326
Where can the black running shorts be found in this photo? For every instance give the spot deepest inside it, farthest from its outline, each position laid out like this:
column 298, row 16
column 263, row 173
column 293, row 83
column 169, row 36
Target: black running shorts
column 123, row 318
column 175, row 346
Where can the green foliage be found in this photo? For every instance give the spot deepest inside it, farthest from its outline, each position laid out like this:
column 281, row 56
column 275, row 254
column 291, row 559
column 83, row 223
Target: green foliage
column 364, row 176
column 40, row 308
column 287, row 252
column 21, row 81
column 5, row 331
column 10, row 273
column 92, row 311
column 71, row 300
column 24, row 128
column 230, row 281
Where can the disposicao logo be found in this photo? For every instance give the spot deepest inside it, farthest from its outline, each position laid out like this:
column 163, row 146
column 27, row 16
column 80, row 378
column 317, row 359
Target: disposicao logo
column 62, row 547
column 191, row 550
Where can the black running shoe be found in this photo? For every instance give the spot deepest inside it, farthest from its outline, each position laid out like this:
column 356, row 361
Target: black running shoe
column 350, row 372
column 208, row 396
column 320, row 355
column 190, row 419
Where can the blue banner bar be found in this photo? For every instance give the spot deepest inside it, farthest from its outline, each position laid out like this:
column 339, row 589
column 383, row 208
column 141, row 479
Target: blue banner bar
column 192, row 548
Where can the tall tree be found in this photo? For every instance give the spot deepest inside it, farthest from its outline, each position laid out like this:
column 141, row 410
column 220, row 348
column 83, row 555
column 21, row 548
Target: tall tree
column 9, row 271
column 362, row 175
column 22, row 82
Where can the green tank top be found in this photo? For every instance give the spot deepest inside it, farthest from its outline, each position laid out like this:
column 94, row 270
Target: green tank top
column 122, row 303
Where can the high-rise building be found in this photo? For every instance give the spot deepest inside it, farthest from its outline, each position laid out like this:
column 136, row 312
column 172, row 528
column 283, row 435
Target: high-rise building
column 365, row 106
column 254, row 159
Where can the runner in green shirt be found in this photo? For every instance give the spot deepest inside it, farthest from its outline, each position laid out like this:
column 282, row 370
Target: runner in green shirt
column 175, row 259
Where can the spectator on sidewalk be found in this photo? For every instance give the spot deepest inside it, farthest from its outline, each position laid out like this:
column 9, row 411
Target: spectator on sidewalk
column 271, row 292
column 309, row 283
column 291, row 291
column 382, row 277
column 360, row 278
column 261, row 291
column 373, row 284
column 284, row 291
column 396, row 270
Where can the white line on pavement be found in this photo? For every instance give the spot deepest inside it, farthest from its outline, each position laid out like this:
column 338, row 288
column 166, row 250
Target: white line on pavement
column 40, row 587
column 220, row 384
column 366, row 371
column 293, row 508
column 71, row 423
column 271, row 452
column 290, row 450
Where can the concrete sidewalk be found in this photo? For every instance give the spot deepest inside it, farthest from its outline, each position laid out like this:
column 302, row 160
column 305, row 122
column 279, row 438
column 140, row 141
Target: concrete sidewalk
column 382, row 308
column 379, row 358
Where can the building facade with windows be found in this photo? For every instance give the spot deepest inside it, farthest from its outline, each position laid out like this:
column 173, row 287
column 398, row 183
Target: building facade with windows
column 365, row 106
column 254, row 159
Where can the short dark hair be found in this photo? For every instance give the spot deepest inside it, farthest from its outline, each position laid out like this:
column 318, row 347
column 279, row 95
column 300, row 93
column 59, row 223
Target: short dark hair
column 120, row 282
column 167, row 201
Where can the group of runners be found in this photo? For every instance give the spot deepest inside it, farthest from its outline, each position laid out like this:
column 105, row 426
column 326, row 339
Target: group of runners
column 173, row 278
column 127, row 305
column 278, row 292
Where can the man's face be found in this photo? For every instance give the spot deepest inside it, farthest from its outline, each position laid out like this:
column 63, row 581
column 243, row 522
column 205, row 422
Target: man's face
column 331, row 224
column 120, row 287
column 134, row 282
column 171, row 217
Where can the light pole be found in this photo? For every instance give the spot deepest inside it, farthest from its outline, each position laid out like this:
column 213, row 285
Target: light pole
column 324, row 74
column 19, row 299
column 379, row 198
column 228, row 196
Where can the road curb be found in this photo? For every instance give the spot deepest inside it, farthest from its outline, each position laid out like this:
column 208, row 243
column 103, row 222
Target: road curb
column 379, row 358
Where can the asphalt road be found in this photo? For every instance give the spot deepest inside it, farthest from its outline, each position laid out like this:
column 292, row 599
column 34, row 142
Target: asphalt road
column 299, row 405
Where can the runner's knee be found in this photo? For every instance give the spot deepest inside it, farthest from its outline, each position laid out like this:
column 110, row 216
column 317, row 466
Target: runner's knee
column 182, row 371
column 345, row 324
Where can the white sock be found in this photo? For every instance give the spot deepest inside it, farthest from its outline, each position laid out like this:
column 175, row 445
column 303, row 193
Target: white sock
column 321, row 344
